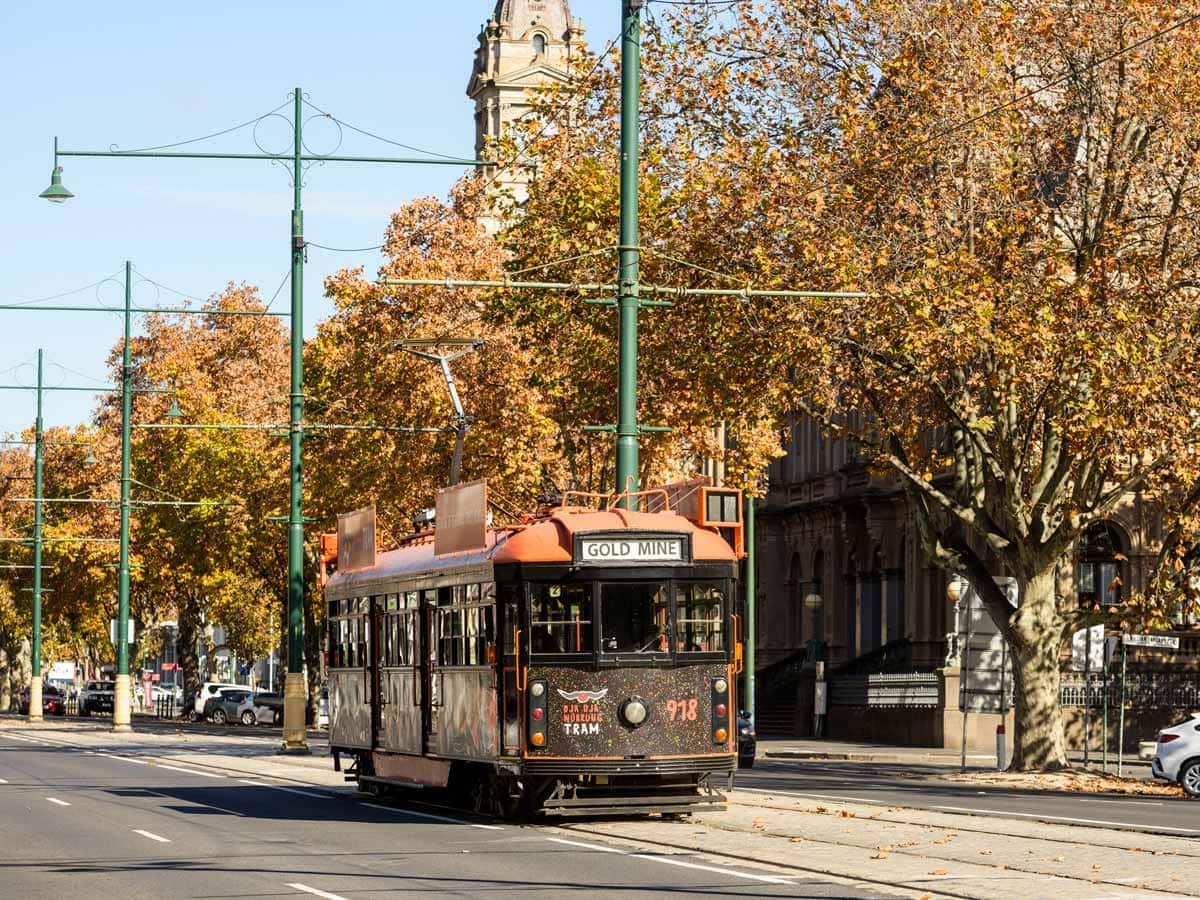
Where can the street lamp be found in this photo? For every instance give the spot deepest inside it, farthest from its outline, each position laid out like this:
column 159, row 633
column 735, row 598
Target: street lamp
column 295, row 694
column 813, row 602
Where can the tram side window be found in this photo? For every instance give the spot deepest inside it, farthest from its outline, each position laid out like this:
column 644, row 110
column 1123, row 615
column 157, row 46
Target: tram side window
column 699, row 618
column 464, row 632
column 560, row 618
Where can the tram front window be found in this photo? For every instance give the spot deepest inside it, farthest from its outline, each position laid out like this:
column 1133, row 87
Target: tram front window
column 634, row 618
column 560, row 618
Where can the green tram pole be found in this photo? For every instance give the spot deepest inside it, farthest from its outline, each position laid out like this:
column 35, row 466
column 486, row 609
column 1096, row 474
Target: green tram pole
column 295, row 739
column 123, row 690
column 629, row 253
column 35, row 682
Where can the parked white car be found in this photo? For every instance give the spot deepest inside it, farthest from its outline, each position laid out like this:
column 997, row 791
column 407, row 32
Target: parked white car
column 210, row 689
column 1178, row 755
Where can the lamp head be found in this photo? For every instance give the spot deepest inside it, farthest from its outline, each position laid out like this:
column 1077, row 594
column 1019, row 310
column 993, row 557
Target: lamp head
column 174, row 412
column 954, row 588
column 813, row 601
column 56, row 193
column 90, row 459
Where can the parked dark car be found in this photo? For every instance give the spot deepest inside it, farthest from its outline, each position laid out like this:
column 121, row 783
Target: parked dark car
column 261, row 709
column 747, row 741
column 224, row 706
column 53, row 701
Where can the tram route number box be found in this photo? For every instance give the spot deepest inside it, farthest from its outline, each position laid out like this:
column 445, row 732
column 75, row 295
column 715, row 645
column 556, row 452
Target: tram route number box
column 356, row 539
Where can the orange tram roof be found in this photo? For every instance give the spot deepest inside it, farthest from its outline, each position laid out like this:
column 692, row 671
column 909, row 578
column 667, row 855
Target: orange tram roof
column 544, row 540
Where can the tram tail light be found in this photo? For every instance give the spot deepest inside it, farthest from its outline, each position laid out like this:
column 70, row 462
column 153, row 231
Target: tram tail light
column 536, row 714
column 719, row 694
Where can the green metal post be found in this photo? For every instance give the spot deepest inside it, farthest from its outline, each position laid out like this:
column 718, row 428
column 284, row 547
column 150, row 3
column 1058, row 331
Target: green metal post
column 35, row 683
column 627, row 280
column 295, row 738
column 1121, row 722
column 122, row 688
column 751, row 562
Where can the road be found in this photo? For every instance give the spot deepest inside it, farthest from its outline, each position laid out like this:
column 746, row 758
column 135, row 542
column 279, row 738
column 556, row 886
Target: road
column 78, row 823
column 925, row 787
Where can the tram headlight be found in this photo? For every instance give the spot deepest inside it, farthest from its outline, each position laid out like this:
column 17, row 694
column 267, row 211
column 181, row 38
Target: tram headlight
column 634, row 711
column 537, row 689
column 720, row 685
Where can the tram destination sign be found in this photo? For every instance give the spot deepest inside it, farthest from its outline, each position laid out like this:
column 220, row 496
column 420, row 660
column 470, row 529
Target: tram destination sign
column 613, row 550
column 1161, row 641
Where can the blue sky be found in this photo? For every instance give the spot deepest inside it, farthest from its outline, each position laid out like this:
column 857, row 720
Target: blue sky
column 139, row 74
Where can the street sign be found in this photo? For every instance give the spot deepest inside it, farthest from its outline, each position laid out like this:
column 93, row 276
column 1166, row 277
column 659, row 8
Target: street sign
column 1160, row 641
column 1087, row 650
column 62, row 671
column 112, row 631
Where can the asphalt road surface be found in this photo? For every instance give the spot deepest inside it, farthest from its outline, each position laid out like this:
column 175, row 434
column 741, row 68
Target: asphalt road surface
column 925, row 787
column 77, row 823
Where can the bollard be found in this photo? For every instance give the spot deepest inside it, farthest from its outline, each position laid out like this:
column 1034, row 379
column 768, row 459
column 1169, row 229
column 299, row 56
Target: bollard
column 1001, row 750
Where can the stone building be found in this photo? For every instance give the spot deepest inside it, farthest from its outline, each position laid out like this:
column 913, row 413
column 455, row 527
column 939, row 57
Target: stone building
column 524, row 46
column 832, row 529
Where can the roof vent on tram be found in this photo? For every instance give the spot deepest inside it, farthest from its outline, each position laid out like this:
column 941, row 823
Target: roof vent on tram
column 423, row 519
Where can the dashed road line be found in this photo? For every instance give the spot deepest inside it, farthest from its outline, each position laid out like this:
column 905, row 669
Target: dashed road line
column 670, row 861
column 152, row 836
column 424, row 815
column 58, row 802
column 316, row 893
column 128, row 759
column 3, row 781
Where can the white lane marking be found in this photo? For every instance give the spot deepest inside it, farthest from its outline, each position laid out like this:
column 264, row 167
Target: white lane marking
column 312, row 890
column 152, row 836
column 136, row 762
column 188, row 771
column 3, row 781
column 58, row 802
column 670, row 861
column 425, row 815
column 1139, row 826
column 1138, row 802
column 255, row 783
column 280, row 787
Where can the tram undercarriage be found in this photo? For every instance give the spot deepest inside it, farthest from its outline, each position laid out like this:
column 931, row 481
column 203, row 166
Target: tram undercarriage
column 506, row 792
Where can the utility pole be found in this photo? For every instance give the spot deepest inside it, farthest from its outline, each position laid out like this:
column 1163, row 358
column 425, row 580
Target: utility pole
column 295, row 691
column 629, row 253
column 122, row 690
column 35, row 683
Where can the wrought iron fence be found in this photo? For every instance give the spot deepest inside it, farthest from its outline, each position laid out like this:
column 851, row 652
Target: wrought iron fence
column 912, row 690
column 1173, row 690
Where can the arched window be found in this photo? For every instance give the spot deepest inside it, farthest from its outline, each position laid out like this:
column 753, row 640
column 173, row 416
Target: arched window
column 1099, row 572
column 539, row 45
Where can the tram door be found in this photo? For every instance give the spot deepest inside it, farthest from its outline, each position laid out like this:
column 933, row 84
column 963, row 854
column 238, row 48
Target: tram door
column 431, row 693
column 376, row 647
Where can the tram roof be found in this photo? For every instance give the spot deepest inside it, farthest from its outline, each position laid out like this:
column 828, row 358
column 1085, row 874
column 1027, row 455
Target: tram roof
column 547, row 540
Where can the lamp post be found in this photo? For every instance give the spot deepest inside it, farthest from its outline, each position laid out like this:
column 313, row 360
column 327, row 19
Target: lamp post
column 956, row 592
column 295, row 694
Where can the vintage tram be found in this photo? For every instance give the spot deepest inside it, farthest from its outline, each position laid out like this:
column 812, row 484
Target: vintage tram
column 581, row 662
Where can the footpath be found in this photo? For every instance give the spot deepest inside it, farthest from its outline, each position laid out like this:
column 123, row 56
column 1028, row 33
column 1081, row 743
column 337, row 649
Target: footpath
column 911, row 853
column 850, row 751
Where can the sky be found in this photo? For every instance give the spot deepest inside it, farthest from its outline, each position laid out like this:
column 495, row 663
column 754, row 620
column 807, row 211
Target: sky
column 136, row 74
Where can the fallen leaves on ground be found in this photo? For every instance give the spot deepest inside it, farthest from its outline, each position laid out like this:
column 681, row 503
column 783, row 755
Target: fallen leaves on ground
column 1079, row 781
column 939, row 872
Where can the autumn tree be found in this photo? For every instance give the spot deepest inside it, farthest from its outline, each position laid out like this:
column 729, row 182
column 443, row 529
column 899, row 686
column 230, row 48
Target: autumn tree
column 359, row 374
column 220, row 563
column 1013, row 186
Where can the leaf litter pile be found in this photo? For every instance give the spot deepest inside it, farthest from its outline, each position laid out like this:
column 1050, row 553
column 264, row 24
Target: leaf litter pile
column 1079, row 781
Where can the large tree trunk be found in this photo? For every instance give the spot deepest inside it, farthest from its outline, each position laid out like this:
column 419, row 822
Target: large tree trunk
column 1036, row 638
column 189, row 661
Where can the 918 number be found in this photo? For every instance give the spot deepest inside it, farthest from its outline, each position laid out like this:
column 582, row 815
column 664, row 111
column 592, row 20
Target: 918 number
column 682, row 710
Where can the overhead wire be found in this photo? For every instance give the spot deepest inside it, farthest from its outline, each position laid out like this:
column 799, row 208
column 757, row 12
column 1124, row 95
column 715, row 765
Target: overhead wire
column 206, row 137
column 377, row 137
